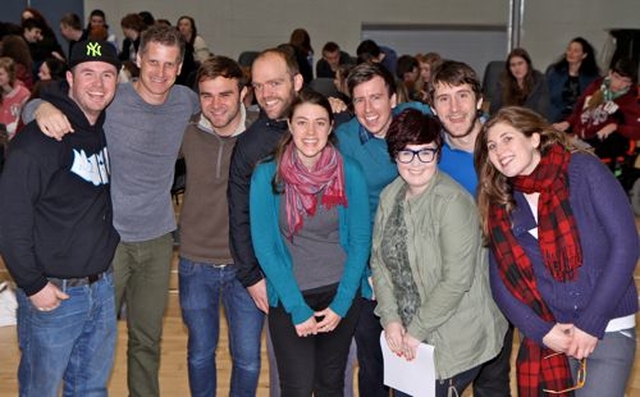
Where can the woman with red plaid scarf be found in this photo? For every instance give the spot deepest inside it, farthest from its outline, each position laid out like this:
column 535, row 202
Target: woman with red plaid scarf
column 564, row 247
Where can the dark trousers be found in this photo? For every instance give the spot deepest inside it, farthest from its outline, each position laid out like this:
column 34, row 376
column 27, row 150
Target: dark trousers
column 615, row 145
column 493, row 379
column 314, row 364
column 370, row 373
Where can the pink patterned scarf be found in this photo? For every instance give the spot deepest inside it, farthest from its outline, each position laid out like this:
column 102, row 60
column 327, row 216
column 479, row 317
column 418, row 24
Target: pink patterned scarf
column 301, row 186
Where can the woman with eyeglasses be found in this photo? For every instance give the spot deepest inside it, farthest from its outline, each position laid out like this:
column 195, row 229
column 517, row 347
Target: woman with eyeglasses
column 430, row 271
column 311, row 231
column 565, row 246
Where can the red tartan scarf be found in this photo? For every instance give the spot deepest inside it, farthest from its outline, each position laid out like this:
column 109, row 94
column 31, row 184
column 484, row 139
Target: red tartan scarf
column 557, row 231
column 536, row 373
column 301, row 186
column 560, row 247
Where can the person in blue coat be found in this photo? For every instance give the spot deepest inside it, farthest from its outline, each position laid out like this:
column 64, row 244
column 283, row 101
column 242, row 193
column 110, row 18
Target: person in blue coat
column 569, row 77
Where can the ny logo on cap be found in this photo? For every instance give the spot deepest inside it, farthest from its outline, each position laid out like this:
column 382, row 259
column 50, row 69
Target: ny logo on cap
column 94, row 50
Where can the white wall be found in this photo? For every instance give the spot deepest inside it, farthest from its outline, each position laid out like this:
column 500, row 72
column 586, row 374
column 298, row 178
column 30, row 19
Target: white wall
column 231, row 26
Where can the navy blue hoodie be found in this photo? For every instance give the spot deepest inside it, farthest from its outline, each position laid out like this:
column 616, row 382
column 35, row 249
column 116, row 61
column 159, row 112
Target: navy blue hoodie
column 55, row 203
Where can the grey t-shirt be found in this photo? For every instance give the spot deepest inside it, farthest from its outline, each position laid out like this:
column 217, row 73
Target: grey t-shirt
column 317, row 256
column 143, row 142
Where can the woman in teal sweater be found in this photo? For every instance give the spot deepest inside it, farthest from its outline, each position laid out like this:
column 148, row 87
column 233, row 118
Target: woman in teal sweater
column 311, row 231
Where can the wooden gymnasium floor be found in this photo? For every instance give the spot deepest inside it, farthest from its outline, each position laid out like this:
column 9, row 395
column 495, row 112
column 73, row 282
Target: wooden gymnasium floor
column 173, row 369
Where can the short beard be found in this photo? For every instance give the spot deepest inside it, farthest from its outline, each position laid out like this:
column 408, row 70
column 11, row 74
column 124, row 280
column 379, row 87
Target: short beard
column 286, row 111
column 468, row 132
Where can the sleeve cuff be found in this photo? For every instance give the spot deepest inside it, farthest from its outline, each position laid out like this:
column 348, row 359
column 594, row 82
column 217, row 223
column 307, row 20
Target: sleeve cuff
column 35, row 287
column 339, row 308
column 537, row 333
column 592, row 324
column 301, row 314
column 249, row 278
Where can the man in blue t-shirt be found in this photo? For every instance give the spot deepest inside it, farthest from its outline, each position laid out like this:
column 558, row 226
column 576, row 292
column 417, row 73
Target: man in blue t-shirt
column 455, row 97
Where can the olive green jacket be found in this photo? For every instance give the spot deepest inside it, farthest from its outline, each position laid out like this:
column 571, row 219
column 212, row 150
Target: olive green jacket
column 450, row 267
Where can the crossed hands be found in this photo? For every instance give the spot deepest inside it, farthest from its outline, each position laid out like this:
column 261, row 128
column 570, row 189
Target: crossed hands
column 570, row 340
column 400, row 342
column 321, row 322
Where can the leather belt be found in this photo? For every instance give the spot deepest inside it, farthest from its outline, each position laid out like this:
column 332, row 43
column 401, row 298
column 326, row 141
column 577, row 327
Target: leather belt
column 77, row 282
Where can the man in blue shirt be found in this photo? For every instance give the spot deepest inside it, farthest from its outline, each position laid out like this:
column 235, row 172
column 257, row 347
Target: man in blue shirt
column 456, row 99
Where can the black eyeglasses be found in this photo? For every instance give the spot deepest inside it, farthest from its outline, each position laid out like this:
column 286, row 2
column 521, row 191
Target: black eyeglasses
column 426, row 155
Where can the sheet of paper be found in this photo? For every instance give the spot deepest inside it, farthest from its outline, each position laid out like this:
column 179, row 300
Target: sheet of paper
column 417, row 377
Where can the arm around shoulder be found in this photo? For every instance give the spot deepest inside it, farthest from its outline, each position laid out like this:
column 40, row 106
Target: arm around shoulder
column 51, row 121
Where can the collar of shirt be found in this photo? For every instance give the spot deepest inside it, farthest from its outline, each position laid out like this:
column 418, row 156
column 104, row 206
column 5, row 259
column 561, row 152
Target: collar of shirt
column 277, row 124
column 446, row 140
column 521, row 216
column 365, row 136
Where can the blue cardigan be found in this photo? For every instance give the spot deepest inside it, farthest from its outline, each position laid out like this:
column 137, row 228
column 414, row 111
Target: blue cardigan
column 604, row 288
column 274, row 258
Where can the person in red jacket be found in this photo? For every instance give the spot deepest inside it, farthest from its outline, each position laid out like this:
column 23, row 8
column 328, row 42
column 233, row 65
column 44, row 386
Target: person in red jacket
column 607, row 114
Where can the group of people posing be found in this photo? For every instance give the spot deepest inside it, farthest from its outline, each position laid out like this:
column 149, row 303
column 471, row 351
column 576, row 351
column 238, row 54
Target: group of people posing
column 337, row 227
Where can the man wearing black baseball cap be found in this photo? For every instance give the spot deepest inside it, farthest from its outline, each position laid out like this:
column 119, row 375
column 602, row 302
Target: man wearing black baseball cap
column 144, row 127
column 57, row 237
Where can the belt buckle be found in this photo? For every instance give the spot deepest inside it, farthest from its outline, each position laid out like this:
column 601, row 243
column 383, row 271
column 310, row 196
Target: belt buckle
column 219, row 266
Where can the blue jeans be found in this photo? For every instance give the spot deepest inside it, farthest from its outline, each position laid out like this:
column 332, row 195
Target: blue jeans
column 609, row 366
column 74, row 343
column 202, row 287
